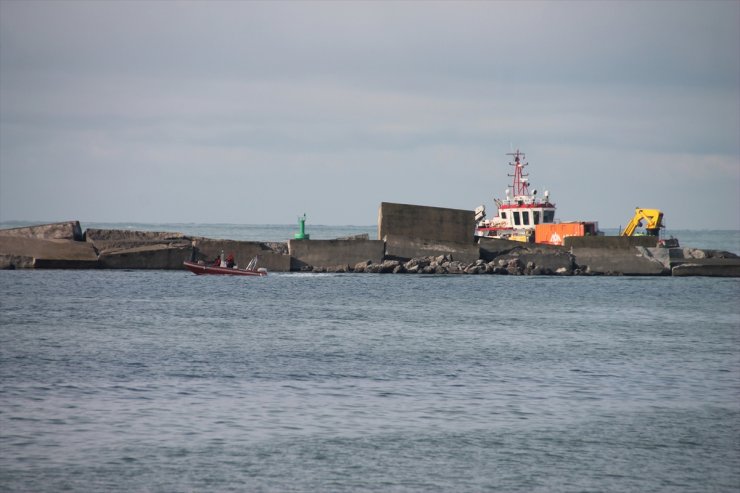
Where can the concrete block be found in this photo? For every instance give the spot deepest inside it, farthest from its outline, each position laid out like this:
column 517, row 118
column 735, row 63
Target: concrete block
column 9, row 262
column 331, row 253
column 272, row 256
column 129, row 237
column 546, row 262
column 711, row 267
column 490, row 248
column 405, row 248
column 155, row 256
column 610, row 242
column 49, row 254
column 69, row 230
column 619, row 261
column 425, row 223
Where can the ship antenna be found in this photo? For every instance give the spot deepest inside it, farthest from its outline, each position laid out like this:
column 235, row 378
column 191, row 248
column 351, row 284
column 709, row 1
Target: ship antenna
column 520, row 185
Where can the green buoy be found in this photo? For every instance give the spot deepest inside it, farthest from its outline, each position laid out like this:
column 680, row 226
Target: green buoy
column 301, row 235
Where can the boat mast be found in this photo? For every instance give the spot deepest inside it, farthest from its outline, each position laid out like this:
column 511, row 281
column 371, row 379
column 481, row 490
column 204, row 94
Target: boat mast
column 521, row 184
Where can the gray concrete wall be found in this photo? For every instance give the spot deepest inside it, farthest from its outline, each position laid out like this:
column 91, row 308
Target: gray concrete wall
column 611, row 242
column 127, row 249
column 270, row 257
column 69, row 230
column 333, row 253
column 491, row 248
column 118, row 235
column 19, row 252
column 713, row 267
column 405, row 248
column 620, row 261
column 425, row 223
column 154, row 256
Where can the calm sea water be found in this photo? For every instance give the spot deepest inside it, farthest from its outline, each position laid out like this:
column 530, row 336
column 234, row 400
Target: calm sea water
column 166, row 382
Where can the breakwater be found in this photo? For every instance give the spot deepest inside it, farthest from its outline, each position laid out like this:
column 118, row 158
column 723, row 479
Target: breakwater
column 411, row 239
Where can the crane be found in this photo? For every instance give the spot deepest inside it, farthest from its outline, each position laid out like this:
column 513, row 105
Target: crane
column 652, row 217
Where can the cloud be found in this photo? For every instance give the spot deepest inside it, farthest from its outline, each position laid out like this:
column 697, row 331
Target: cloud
column 327, row 103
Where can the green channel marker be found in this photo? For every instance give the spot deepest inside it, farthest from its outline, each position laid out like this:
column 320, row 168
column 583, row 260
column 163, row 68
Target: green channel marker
column 301, row 235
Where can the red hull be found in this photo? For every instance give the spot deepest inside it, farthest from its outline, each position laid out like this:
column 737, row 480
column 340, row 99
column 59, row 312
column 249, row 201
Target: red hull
column 199, row 269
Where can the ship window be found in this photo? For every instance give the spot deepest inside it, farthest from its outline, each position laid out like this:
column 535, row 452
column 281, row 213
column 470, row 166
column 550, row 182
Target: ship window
column 503, row 215
column 549, row 216
column 536, row 216
column 525, row 217
column 517, row 222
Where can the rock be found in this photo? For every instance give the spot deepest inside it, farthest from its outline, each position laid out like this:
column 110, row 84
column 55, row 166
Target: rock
column 455, row 267
column 389, row 265
column 514, row 269
column 693, row 253
column 513, row 263
column 342, row 268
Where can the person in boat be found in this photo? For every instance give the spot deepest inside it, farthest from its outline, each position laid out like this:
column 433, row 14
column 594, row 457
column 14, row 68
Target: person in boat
column 230, row 261
column 217, row 261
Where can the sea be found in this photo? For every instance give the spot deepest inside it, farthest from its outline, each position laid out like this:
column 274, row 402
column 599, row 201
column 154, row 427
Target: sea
column 163, row 381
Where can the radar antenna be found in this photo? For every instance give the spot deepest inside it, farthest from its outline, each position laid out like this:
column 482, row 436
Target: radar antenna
column 521, row 184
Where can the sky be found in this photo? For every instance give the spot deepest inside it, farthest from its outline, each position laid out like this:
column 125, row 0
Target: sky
column 252, row 112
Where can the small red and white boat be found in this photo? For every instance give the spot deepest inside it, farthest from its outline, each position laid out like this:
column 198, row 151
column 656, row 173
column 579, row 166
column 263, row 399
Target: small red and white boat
column 222, row 268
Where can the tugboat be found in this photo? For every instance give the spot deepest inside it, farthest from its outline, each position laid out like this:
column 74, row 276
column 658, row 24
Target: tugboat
column 519, row 212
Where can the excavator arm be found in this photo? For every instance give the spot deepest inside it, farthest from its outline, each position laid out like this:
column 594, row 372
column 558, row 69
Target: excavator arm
column 653, row 222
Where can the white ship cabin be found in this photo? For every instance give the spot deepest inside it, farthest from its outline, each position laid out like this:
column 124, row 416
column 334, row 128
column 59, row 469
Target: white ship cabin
column 519, row 212
column 525, row 216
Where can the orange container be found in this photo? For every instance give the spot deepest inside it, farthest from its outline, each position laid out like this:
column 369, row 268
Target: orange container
column 555, row 233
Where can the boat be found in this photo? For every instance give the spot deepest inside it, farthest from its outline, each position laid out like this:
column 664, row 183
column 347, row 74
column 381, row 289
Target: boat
column 520, row 212
column 222, row 268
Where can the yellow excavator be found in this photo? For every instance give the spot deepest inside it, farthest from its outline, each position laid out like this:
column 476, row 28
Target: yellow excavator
column 653, row 222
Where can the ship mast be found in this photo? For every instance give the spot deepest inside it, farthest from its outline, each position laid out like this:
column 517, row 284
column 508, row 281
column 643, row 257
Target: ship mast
column 521, row 184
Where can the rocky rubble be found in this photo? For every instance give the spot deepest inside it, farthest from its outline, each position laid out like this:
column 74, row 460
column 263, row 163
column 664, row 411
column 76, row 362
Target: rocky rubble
column 510, row 264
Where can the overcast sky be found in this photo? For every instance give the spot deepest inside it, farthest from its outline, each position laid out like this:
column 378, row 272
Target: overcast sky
column 256, row 112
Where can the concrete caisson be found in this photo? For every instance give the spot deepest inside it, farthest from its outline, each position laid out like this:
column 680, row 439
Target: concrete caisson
column 23, row 253
column 425, row 223
column 68, row 230
column 270, row 255
column 332, row 253
column 412, row 231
